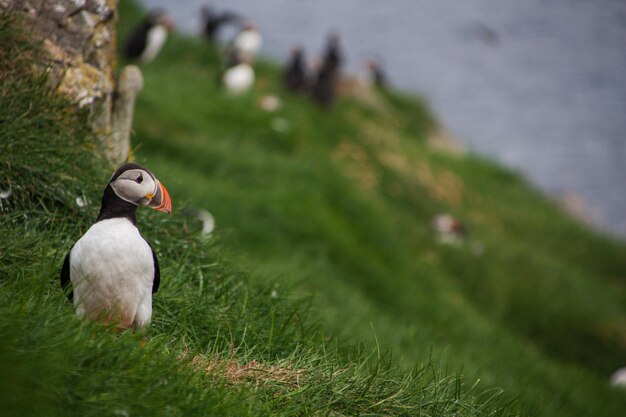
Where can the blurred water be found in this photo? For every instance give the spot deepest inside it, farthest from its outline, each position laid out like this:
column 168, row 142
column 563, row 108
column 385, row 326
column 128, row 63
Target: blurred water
column 540, row 85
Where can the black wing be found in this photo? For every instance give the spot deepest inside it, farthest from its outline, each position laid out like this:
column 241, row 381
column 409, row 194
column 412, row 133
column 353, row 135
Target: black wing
column 157, row 271
column 66, row 283
column 136, row 42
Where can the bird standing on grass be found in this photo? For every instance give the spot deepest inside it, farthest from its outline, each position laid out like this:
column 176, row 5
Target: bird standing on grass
column 333, row 57
column 373, row 75
column 247, row 43
column 239, row 77
column 294, row 74
column 147, row 39
column 324, row 86
column 323, row 90
column 112, row 269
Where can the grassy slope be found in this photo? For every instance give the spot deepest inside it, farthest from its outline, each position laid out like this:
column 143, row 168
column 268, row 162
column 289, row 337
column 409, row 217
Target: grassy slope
column 540, row 313
column 220, row 343
column 340, row 204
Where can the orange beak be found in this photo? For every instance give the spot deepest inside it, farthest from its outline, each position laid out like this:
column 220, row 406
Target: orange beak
column 161, row 200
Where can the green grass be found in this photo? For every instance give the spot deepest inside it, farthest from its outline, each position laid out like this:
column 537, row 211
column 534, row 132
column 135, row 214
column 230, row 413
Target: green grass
column 340, row 205
column 323, row 274
column 220, row 344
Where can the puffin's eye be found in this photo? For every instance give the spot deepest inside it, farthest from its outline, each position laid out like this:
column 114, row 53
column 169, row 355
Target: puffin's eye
column 139, row 179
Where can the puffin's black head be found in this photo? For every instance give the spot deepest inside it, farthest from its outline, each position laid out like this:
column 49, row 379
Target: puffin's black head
column 131, row 186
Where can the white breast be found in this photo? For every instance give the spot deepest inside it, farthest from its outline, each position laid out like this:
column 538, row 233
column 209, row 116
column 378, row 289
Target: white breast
column 154, row 42
column 239, row 79
column 112, row 270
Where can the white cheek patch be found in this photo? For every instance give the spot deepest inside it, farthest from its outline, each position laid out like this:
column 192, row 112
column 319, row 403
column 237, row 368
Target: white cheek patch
column 127, row 188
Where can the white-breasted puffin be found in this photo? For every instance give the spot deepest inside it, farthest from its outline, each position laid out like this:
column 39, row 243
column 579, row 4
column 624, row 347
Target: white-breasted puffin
column 111, row 272
column 239, row 77
column 248, row 42
column 147, row 39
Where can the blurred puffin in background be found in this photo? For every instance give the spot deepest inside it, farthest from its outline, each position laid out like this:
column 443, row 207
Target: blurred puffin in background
column 373, row 75
column 111, row 272
column 333, row 57
column 213, row 21
column 294, row 74
column 146, row 40
column 247, row 43
column 323, row 90
column 239, row 75
column 324, row 87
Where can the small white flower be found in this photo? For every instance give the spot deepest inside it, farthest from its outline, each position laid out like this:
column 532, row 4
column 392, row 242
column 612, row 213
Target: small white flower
column 274, row 294
column 85, row 101
column 81, row 201
column 3, row 196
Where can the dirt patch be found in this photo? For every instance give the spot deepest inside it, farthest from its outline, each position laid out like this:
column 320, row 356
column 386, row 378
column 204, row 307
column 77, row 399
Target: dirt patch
column 252, row 372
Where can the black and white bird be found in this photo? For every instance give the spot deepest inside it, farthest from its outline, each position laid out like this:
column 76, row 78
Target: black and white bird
column 373, row 75
column 333, row 57
column 111, row 272
column 239, row 77
column 213, row 21
column 324, row 86
column 147, row 39
column 247, row 43
column 294, row 74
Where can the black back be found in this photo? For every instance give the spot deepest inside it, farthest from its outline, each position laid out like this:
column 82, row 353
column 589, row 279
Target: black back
column 294, row 75
column 66, row 283
column 332, row 59
column 156, row 281
column 137, row 40
column 323, row 89
column 214, row 21
column 380, row 79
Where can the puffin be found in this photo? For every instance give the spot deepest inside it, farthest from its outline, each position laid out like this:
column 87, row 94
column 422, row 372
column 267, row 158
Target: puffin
column 294, row 74
column 147, row 39
column 373, row 75
column 111, row 272
column 239, row 76
column 213, row 21
column 332, row 57
column 248, row 42
column 323, row 90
